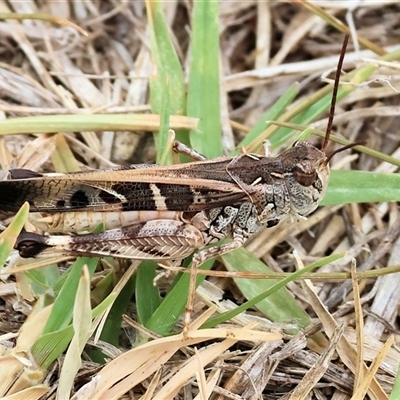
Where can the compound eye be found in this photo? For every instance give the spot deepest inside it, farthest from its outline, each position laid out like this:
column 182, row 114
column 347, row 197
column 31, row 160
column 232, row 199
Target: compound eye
column 304, row 177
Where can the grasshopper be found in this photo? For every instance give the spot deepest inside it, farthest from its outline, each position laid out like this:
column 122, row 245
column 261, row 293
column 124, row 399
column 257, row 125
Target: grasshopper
column 165, row 213
column 168, row 212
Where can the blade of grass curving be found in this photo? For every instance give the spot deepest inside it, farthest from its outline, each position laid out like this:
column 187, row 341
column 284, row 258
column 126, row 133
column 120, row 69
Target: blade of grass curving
column 203, row 99
column 42, row 280
column 94, row 122
column 268, row 295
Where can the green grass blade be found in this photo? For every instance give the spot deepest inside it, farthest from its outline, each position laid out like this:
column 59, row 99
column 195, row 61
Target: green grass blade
column 166, row 316
column 63, row 306
column 163, row 138
column 51, row 345
column 42, row 280
column 93, row 122
column 362, row 187
column 62, row 157
column 119, row 307
column 147, row 295
column 167, row 85
column 396, row 389
column 269, row 295
column 167, row 68
column 203, row 100
column 9, row 236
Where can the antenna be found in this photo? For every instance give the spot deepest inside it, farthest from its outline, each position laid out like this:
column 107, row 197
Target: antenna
column 334, row 93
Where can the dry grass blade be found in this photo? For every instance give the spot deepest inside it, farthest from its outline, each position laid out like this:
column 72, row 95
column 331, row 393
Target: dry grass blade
column 312, row 377
column 345, row 350
column 138, row 364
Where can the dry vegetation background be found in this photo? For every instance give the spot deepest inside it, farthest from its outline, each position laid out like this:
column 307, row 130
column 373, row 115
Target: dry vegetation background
column 265, row 46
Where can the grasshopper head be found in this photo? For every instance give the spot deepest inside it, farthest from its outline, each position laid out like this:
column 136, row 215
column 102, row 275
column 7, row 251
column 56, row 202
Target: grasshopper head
column 307, row 177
